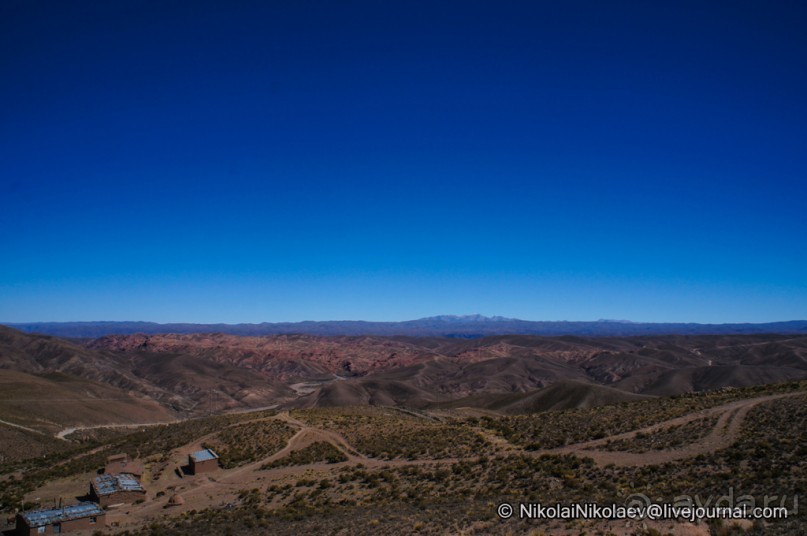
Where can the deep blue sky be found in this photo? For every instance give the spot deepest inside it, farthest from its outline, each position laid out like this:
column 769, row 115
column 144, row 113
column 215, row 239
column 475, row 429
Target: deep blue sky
column 282, row 161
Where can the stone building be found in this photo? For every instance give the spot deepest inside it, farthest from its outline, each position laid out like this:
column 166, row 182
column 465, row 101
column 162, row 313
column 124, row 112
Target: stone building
column 116, row 489
column 203, row 461
column 82, row 516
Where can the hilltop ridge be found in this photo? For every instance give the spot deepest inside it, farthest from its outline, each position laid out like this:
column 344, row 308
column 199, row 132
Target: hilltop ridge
column 462, row 326
column 194, row 373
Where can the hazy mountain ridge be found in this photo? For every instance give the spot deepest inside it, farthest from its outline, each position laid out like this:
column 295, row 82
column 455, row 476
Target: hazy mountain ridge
column 467, row 326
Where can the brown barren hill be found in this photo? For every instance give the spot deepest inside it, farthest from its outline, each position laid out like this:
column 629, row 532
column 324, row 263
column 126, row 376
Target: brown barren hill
column 51, row 401
column 283, row 356
column 558, row 396
column 204, row 373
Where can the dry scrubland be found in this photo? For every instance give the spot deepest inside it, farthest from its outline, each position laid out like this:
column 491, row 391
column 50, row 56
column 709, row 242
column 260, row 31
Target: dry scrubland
column 670, row 437
column 388, row 471
column 558, row 428
column 390, row 434
column 320, row 451
column 20, row 444
column 152, row 443
column 249, row 442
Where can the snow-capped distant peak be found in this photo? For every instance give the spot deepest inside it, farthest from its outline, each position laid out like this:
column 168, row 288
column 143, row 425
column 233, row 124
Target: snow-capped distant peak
column 468, row 318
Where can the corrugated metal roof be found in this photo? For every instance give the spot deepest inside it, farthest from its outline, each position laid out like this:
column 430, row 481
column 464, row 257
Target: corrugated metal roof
column 109, row 484
column 203, row 455
column 40, row 518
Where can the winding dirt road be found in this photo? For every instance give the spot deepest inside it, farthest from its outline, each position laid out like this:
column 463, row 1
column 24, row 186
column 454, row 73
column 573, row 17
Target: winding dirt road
column 723, row 434
column 223, row 487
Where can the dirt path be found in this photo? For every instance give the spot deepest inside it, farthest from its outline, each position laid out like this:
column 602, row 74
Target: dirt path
column 415, row 414
column 762, row 343
column 21, row 427
column 724, row 434
column 222, row 488
column 67, row 431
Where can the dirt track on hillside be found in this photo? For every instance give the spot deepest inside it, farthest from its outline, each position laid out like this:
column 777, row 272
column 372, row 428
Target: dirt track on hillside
column 223, row 486
column 723, row 434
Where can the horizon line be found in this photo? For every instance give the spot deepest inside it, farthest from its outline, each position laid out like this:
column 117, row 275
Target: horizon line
column 495, row 318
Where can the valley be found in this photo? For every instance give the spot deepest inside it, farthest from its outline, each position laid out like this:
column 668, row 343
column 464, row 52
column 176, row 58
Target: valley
column 180, row 375
column 403, row 434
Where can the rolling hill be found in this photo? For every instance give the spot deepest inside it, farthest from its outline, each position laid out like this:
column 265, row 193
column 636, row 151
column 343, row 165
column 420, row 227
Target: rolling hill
column 50, row 401
column 558, row 396
column 197, row 374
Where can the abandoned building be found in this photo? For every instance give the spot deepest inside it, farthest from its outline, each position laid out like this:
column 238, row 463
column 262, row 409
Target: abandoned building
column 203, row 461
column 82, row 516
column 116, row 489
column 120, row 463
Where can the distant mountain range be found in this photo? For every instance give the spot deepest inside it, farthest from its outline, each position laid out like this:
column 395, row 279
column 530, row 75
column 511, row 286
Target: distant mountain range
column 465, row 326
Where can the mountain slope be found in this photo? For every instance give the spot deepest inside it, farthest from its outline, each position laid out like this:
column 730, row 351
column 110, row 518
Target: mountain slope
column 558, row 396
column 40, row 354
column 192, row 374
column 52, row 401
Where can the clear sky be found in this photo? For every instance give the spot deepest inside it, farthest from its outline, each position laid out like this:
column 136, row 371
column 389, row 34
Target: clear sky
column 383, row 160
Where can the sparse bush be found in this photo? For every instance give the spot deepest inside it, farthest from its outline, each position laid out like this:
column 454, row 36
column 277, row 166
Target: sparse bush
column 319, row 451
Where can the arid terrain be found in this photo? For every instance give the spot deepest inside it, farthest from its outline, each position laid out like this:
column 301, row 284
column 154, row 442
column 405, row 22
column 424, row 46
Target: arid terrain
column 199, row 374
column 382, row 470
column 398, row 435
column 379, row 268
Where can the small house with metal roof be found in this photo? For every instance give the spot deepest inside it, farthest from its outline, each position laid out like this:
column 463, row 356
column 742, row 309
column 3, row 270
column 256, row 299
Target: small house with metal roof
column 82, row 516
column 116, row 489
column 203, row 461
